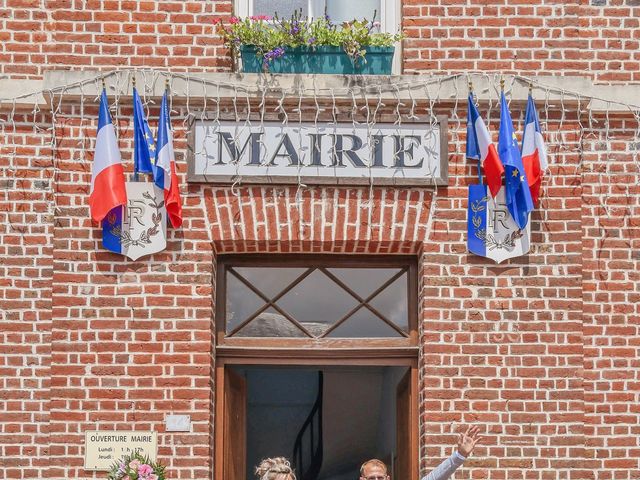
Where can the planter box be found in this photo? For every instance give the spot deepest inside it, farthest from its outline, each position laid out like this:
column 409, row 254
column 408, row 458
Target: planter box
column 323, row 59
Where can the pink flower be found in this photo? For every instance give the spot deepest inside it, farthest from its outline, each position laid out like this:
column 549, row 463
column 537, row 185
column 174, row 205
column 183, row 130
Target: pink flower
column 234, row 20
column 145, row 470
column 376, row 24
column 153, row 476
column 134, row 464
column 257, row 18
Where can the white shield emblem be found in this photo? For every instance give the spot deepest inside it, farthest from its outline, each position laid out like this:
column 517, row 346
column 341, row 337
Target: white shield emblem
column 491, row 231
column 140, row 227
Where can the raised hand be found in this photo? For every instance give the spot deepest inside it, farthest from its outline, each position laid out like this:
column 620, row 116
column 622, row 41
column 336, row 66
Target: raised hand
column 468, row 440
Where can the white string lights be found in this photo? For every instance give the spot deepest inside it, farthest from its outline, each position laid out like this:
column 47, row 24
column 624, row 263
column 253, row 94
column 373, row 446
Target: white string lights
column 361, row 102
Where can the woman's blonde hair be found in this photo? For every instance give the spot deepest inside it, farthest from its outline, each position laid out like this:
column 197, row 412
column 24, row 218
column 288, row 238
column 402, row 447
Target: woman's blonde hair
column 277, row 468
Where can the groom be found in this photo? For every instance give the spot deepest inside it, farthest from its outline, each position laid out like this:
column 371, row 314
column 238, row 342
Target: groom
column 377, row 470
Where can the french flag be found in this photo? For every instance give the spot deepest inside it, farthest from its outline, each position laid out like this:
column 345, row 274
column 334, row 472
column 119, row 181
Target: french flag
column 534, row 152
column 107, row 177
column 480, row 148
column 164, row 174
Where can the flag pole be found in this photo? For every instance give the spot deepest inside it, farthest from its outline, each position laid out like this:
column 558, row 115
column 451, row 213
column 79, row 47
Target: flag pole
column 167, row 91
column 135, row 161
column 471, row 94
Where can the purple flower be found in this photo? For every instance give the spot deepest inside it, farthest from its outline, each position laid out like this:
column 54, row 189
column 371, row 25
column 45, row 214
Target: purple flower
column 272, row 55
column 295, row 28
column 275, row 53
column 311, row 40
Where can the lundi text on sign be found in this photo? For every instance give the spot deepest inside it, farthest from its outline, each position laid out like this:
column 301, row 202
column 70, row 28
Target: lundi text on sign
column 323, row 153
column 102, row 449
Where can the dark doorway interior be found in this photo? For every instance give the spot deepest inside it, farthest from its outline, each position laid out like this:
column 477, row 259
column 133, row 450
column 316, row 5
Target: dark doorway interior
column 334, row 417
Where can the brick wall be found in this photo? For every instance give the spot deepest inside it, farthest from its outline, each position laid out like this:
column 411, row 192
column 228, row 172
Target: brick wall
column 530, row 37
column 39, row 35
column 503, row 344
column 26, row 267
column 611, row 305
column 527, row 37
column 543, row 350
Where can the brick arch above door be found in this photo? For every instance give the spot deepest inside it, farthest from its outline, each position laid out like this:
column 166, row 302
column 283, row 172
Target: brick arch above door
column 285, row 219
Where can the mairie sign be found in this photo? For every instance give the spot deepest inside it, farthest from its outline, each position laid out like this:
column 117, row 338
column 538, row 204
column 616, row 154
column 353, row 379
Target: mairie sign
column 323, row 153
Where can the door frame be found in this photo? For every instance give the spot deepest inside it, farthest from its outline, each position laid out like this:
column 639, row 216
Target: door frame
column 407, row 358
column 287, row 351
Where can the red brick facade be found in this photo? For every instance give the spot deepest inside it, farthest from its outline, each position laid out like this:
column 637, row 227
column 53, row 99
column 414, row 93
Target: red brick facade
column 544, row 350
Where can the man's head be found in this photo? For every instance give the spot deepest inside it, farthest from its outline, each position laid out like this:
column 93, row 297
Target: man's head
column 373, row 470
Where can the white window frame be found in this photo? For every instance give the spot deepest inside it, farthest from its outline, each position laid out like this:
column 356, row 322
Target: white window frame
column 390, row 18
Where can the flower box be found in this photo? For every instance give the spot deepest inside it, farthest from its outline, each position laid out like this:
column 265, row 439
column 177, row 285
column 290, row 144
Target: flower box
column 309, row 45
column 321, row 59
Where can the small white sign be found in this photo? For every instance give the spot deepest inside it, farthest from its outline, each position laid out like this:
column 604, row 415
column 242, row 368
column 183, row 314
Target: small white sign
column 178, row 423
column 102, row 449
column 323, row 153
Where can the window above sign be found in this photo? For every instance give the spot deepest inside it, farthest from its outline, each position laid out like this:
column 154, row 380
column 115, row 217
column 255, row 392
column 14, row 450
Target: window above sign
column 316, row 298
column 387, row 11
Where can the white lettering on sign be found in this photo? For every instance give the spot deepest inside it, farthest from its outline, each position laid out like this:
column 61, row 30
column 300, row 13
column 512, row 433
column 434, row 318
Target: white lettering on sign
column 325, row 153
column 103, row 449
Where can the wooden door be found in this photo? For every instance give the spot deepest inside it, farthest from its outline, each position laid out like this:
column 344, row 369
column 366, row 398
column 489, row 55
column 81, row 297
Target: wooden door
column 406, row 459
column 235, row 426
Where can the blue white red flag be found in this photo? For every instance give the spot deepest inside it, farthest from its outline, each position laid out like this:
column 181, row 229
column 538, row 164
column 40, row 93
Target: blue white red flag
column 107, row 177
column 165, row 176
column 481, row 148
column 517, row 194
column 144, row 147
column 534, row 152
